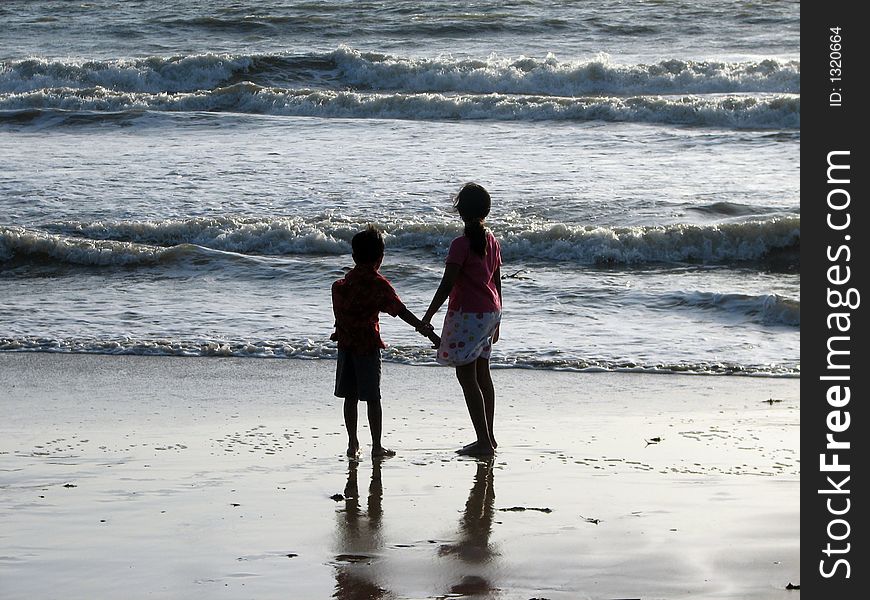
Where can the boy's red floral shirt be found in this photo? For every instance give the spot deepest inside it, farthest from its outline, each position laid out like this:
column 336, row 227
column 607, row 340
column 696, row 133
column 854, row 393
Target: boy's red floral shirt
column 356, row 301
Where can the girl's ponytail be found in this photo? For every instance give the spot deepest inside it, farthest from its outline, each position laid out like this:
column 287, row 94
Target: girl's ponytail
column 476, row 233
column 473, row 203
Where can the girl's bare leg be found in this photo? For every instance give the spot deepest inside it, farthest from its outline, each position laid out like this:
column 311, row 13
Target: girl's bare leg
column 467, row 376
column 484, row 381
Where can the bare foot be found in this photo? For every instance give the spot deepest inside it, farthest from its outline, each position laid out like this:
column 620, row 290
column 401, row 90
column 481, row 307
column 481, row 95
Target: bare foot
column 476, row 449
column 353, row 452
column 381, row 452
column 467, row 446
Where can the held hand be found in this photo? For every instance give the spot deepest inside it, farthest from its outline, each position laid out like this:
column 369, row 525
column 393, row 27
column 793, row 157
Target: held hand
column 425, row 329
column 436, row 341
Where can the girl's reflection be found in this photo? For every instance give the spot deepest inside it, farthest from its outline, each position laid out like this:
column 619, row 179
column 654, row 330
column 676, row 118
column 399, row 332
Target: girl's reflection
column 473, row 548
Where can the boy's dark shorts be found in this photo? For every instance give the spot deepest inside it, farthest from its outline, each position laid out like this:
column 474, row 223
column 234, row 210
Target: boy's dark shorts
column 358, row 375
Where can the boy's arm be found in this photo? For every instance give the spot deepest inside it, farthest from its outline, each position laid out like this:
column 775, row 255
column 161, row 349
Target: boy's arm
column 422, row 328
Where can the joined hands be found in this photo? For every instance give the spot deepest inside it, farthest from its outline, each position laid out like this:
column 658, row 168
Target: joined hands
column 427, row 330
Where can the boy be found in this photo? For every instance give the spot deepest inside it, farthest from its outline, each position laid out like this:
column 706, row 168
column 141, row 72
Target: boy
column 356, row 301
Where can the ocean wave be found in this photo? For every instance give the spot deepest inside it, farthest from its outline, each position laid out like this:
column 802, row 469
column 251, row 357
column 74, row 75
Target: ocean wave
column 349, row 68
column 343, row 21
column 550, row 76
column 321, row 349
column 728, row 243
column 25, row 244
column 730, row 112
column 767, row 309
column 150, row 242
column 731, row 209
column 153, row 74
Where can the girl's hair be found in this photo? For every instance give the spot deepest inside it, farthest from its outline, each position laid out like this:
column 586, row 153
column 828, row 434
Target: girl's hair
column 473, row 203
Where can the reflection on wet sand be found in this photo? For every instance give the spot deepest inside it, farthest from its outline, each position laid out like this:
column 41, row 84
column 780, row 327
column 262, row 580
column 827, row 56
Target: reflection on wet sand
column 467, row 563
column 473, row 548
column 360, row 540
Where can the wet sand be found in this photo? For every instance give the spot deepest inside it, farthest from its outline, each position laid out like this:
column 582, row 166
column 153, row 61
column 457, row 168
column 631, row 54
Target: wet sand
column 165, row 477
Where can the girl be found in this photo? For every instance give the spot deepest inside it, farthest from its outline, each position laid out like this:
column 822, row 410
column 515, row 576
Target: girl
column 472, row 280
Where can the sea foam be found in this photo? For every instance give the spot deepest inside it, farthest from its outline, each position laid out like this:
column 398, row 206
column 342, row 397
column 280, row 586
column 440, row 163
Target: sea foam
column 347, row 83
column 149, row 242
column 777, row 111
column 323, row 349
column 350, row 68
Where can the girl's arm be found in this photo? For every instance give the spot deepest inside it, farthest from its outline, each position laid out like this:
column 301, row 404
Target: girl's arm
column 422, row 328
column 497, row 277
column 443, row 291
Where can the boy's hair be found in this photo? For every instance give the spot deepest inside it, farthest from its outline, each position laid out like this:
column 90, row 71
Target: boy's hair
column 367, row 245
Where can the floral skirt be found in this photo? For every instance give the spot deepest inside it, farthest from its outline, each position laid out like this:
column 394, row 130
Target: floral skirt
column 467, row 337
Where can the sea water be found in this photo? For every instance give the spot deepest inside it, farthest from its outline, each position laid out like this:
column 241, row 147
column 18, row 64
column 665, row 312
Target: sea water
column 184, row 177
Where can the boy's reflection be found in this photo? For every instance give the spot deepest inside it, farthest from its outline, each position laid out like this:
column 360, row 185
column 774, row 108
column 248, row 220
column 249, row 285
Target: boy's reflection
column 473, row 547
column 359, row 539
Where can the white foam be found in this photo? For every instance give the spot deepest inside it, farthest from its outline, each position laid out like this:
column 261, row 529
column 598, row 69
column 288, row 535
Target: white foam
column 347, row 67
column 153, row 74
column 317, row 350
column 548, row 75
column 779, row 111
column 17, row 241
column 138, row 242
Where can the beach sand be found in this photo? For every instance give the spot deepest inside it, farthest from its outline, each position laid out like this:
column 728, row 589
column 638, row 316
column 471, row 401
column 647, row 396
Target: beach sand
column 168, row 477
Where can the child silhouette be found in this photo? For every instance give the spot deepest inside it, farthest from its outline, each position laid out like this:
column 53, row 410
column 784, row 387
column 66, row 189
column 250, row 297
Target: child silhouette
column 472, row 281
column 356, row 301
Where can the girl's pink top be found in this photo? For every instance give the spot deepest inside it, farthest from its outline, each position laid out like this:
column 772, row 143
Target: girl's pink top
column 474, row 289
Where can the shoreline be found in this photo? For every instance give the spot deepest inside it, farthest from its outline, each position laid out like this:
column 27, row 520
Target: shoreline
column 148, row 476
column 240, row 350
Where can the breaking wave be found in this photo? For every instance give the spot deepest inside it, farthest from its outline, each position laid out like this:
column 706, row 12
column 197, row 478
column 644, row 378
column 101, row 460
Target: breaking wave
column 154, row 242
column 346, row 83
column 767, row 309
column 68, row 106
column 321, row 349
column 350, row 68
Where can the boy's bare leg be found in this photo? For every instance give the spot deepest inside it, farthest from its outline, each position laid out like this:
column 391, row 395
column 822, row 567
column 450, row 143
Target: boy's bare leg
column 484, row 381
column 375, row 425
column 350, row 419
column 467, row 376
